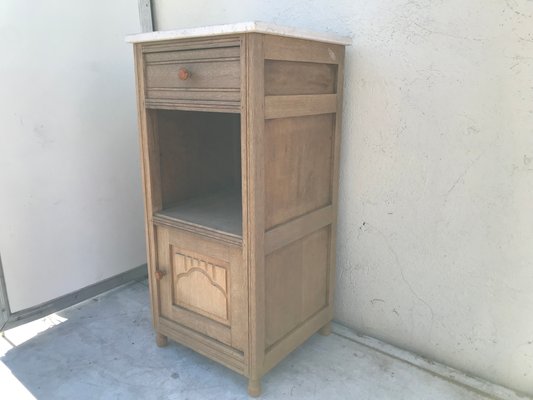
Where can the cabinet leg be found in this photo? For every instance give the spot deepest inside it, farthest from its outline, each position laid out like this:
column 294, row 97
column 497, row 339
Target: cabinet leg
column 254, row 387
column 161, row 340
column 326, row 329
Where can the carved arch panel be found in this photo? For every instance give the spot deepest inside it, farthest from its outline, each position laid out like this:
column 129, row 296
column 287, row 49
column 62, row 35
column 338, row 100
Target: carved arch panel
column 201, row 284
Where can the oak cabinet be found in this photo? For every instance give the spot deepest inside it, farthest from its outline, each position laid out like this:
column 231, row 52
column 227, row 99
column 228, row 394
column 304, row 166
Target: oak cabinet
column 240, row 135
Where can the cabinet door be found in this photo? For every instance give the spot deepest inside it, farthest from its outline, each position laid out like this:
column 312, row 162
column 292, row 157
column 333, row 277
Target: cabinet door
column 202, row 285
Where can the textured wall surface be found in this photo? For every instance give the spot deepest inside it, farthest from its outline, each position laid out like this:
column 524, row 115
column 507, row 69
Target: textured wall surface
column 435, row 249
column 70, row 193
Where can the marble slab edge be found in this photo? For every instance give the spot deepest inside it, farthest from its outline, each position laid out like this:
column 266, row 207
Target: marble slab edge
column 241, row 27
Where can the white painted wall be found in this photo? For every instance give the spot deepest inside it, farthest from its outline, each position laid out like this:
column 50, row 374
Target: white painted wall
column 70, row 193
column 435, row 248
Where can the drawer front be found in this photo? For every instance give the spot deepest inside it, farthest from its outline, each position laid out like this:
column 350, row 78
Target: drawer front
column 202, row 285
column 211, row 74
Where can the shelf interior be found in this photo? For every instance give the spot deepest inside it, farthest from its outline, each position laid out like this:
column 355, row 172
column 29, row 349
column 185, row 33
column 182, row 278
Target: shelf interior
column 221, row 211
column 199, row 180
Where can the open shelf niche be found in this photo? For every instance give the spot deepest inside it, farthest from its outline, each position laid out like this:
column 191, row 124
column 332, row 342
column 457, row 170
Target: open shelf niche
column 200, row 170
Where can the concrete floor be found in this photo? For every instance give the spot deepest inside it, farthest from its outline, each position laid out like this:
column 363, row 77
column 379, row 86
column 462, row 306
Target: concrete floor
column 104, row 348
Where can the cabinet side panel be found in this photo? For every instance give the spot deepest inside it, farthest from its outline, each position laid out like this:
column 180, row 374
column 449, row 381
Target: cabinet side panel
column 301, row 142
column 298, row 166
column 292, row 78
column 296, row 284
column 301, row 107
column 301, row 50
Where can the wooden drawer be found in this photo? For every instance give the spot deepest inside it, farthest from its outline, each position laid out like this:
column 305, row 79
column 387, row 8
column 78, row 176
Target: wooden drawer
column 197, row 75
column 202, row 285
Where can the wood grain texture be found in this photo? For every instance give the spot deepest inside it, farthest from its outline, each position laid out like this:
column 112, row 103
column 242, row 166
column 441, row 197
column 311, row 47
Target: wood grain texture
column 335, row 180
column 294, row 339
column 213, row 74
column 194, row 55
column 255, row 182
column 194, row 99
column 192, row 43
column 297, row 228
column 203, row 284
column 197, row 157
column 150, row 177
column 296, row 284
column 202, row 344
column 292, row 78
column 160, row 219
column 161, row 340
column 299, row 105
column 254, row 387
column 298, row 165
column 290, row 49
column 247, row 233
column 199, row 323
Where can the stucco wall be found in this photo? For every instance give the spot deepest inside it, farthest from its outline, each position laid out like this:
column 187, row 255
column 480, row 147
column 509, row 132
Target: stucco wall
column 70, row 193
column 435, row 249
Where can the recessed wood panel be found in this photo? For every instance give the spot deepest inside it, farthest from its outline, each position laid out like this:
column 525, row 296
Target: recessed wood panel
column 201, row 285
column 298, row 166
column 315, row 259
column 287, row 48
column 283, row 281
column 295, row 284
column 290, row 77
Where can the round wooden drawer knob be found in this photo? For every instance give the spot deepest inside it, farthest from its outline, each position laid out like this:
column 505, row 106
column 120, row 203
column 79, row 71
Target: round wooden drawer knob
column 184, row 74
column 159, row 275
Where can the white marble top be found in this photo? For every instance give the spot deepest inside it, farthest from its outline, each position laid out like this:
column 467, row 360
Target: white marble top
column 241, row 27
